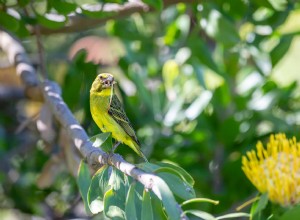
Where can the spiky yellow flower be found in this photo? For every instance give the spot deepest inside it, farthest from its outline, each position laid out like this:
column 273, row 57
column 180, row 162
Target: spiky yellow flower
column 275, row 169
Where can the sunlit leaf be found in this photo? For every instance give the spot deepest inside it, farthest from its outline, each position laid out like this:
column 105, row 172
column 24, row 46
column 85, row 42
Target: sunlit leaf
column 114, row 205
column 233, row 215
column 220, row 28
column 200, row 214
column 167, row 198
column 281, row 49
column 177, row 169
column 103, row 141
column 200, row 200
column 178, row 186
column 98, row 187
column 279, row 5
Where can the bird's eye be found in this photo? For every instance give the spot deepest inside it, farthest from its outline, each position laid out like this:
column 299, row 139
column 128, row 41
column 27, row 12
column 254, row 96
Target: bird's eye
column 101, row 77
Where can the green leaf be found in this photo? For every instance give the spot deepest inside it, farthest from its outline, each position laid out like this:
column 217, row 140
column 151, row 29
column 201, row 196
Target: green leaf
column 279, row 5
column 96, row 11
column 200, row 103
column 103, row 141
column 114, row 199
column 147, row 212
column 130, row 209
column 177, row 170
column 116, row 180
column 201, row 214
column 113, row 205
column 8, row 22
column 200, row 200
column 84, row 181
column 158, row 212
column 201, row 52
column 260, row 205
column 157, row 4
column 23, row 3
column 291, row 214
column 163, row 191
column 63, row 7
column 233, row 215
column 281, row 49
column 178, row 186
column 98, row 187
column 22, row 30
column 220, row 28
column 52, row 21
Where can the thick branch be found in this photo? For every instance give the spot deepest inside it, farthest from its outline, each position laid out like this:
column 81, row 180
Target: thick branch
column 80, row 22
column 52, row 96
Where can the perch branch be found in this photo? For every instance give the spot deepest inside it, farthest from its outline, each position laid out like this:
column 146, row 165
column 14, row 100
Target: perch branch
column 80, row 22
column 52, row 96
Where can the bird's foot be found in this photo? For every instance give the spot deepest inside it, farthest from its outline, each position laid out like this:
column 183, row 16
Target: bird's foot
column 115, row 146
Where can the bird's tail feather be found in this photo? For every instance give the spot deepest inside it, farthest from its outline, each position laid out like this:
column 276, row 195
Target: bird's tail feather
column 137, row 149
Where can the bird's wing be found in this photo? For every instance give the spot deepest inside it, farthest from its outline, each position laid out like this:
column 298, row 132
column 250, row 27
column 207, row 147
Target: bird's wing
column 118, row 114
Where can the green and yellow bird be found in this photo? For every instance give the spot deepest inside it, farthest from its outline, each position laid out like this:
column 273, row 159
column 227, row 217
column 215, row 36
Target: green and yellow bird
column 109, row 115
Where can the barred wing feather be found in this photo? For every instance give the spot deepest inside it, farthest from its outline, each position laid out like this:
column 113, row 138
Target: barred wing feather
column 118, row 114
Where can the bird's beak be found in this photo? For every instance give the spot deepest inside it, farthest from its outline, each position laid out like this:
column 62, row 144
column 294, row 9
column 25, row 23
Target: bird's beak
column 108, row 82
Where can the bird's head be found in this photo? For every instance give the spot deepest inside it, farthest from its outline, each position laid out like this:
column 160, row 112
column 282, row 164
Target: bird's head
column 103, row 81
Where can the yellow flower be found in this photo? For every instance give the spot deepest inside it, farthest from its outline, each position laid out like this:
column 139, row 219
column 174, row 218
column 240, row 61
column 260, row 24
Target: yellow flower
column 275, row 169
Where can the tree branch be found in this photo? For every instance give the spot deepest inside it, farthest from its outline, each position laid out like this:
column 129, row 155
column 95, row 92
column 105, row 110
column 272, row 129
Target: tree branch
column 80, row 22
column 52, row 96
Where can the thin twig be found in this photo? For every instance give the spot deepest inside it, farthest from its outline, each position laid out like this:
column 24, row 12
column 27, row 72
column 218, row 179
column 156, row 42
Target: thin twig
column 77, row 22
column 40, row 47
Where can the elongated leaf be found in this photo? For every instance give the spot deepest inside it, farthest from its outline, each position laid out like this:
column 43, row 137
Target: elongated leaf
column 163, row 191
column 147, row 212
column 84, row 181
column 63, row 6
column 178, row 186
column 113, row 204
column 96, row 11
column 281, row 49
column 52, row 21
column 220, row 28
column 200, row 200
column 158, row 212
column 201, row 214
column 9, row 22
column 178, row 170
column 233, row 215
column 114, row 199
column 98, row 187
column 203, row 54
column 262, row 203
column 116, row 179
column 130, row 209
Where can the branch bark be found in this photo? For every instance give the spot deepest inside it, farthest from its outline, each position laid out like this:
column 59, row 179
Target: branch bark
column 52, row 96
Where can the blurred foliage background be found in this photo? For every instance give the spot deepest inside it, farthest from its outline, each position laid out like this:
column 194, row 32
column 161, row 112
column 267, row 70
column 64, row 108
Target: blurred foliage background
column 201, row 82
